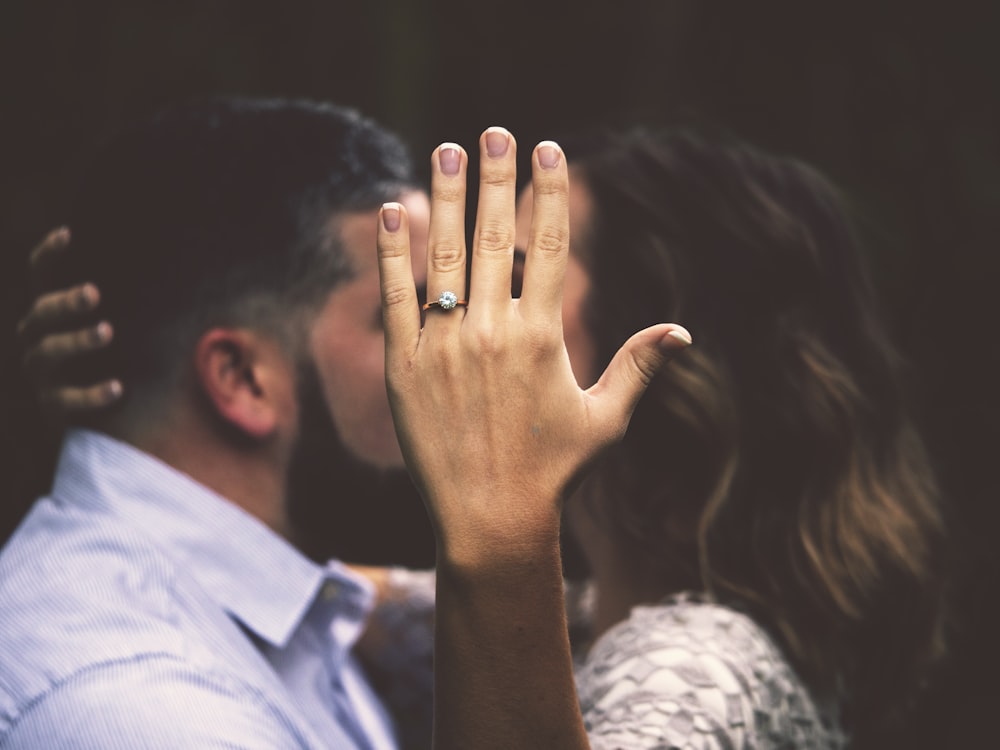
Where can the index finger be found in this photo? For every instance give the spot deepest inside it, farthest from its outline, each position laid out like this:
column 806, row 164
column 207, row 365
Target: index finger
column 400, row 309
column 45, row 253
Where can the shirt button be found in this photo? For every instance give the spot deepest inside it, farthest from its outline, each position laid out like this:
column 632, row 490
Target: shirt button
column 329, row 591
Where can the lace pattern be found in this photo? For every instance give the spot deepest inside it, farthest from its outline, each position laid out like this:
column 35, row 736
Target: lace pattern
column 693, row 674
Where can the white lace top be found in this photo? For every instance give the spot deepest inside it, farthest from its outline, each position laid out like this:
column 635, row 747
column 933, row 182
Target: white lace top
column 685, row 674
column 688, row 673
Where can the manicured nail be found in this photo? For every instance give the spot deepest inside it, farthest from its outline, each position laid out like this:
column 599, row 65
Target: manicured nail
column 497, row 140
column 548, row 154
column 450, row 159
column 681, row 334
column 390, row 216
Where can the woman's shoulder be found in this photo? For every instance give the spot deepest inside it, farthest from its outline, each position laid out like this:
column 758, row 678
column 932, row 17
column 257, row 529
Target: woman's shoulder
column 689, row 671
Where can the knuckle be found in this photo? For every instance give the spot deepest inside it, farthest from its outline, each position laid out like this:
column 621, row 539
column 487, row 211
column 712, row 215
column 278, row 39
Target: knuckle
column 448, row 192
column 446, row 258
column 496, row 237
column 542, row 342
column 392, row 246
column 550, row 240
column 498, row 174
column 51, row 347
column 394, row 295
column 486, row 342
column 60, row 303
column 548, row 187
column 643, row 368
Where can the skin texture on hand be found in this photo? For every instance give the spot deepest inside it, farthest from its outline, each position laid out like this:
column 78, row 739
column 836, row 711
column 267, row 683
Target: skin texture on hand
column 494, row 429
column 55, row 331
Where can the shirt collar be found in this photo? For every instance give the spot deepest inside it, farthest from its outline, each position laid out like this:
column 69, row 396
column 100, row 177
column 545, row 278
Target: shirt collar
column 343, row 604
column 253, row 574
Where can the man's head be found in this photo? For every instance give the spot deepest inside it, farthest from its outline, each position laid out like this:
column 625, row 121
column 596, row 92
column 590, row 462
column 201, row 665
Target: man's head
column 230, row 241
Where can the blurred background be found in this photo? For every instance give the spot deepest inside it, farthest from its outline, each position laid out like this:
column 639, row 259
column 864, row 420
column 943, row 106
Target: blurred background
column 897, row 102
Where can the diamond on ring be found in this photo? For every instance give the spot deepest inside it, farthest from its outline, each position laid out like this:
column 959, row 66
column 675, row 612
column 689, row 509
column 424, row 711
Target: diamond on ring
column 447, row 301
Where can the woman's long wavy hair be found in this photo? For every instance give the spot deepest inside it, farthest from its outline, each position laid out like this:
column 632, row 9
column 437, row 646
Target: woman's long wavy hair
column 773, row 463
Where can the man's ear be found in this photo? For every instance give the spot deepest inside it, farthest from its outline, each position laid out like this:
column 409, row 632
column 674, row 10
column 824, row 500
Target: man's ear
column 247, row 379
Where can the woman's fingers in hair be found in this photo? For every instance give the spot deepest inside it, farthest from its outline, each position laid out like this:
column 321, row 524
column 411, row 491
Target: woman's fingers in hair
column 54, row 350
column 45, row 254
column 58, row 311
column 73, row 400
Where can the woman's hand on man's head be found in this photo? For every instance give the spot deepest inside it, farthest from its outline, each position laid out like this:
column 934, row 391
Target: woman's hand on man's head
column 57, row 331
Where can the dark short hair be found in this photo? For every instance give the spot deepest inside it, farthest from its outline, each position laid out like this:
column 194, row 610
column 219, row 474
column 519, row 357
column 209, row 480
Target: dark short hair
column 218, row 212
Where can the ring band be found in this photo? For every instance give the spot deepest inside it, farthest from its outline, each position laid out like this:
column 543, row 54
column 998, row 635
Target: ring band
column 447, row 301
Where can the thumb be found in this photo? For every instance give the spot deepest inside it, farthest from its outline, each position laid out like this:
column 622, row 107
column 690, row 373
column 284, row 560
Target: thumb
column 630, row 372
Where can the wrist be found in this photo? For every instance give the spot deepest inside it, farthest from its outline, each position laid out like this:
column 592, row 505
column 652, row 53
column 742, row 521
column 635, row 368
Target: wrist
column 499, row 549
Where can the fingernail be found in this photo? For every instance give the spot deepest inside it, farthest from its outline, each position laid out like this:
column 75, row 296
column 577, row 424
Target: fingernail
column 450, row 159
column 115, row 389
column 89, row 297
column 497, row 140
column 104, row 332
column 681, row 334
column 390, row 216
column 548, row 154
column 61, row 234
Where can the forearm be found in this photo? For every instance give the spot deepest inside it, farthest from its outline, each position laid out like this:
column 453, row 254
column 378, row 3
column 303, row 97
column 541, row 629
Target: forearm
column 503, row 672
column 494, row 428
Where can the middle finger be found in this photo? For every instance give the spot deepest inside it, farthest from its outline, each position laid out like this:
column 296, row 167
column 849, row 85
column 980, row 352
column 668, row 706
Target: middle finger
column 66, row 308
column 493, row 241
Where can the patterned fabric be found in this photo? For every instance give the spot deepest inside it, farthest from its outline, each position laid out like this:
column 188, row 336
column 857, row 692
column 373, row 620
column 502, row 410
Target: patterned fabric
column 398, row 653
column 689, row 674
column 139, row 609
column 683, row 675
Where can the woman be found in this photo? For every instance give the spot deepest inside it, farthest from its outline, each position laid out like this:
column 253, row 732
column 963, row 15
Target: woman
column 765, row 541
column 770, row 471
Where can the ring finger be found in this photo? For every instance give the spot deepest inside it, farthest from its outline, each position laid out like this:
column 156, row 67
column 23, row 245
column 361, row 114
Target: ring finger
column 446, row 242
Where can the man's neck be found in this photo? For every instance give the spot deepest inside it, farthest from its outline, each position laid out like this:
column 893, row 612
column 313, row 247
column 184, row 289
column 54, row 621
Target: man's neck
column 251, row 477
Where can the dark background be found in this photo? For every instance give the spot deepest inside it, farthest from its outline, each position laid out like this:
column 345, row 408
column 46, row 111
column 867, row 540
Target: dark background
column 898, row 102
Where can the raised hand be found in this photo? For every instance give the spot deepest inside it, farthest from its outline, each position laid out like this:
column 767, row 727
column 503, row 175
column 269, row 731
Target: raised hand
column 494, row 429
column 491, row 418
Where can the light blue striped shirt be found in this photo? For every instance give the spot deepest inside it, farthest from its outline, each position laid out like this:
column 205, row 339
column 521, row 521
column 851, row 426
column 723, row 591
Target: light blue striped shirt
column 138, row 609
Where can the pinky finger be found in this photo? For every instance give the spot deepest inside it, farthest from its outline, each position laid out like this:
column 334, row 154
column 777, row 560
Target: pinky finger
column 74, row 400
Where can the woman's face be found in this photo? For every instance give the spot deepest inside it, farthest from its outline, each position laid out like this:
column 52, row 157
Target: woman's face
column 579, row 342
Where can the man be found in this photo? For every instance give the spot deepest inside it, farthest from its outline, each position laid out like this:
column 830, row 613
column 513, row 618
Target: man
column 156, row 598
